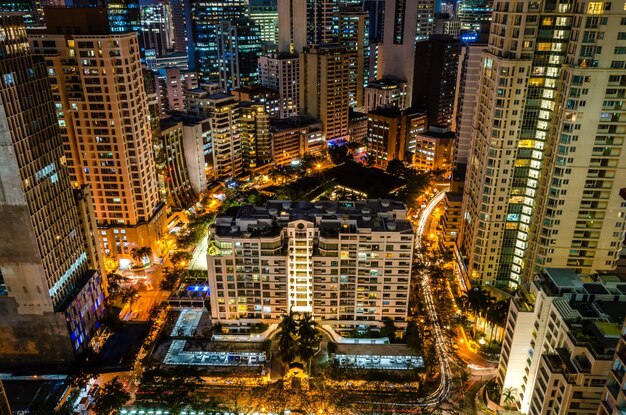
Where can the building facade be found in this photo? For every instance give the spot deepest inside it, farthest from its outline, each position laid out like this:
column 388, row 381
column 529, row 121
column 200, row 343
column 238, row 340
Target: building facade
column 347, row 263
column 206, row 17
column 256, row 145
column 281, row 72
column 102, row 109
column 385, row 93
column 354, row 36
column 434, row 80
column 292, row 137
column 325, row 87
column 225, row 135
column 179, row 192
column 265, row 14
column 239, row 47
column 50, row 284
column 537, row 193
column 393, row 134
column 406, row 22
column 614, row 396
column 468, row 79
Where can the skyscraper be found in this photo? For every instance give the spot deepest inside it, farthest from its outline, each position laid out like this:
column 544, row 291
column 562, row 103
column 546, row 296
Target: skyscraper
column 102, row 109
column 305, row 22
column 238, row 48
column 206, row 18
column 292, row 26
column 46, row 271
column 406, row 22
column 124, row 16
column 182, row 27
column 256, row 146
column 157, row 29
column 543, row 183
column 474, row 13
column 467, row 89
column 281, row 72
column 353, row 35
column 265, row 14
column 324, row 87
column 434, row 79
column 376, row 12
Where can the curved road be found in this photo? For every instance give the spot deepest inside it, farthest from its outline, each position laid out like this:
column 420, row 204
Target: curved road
column 441, row 342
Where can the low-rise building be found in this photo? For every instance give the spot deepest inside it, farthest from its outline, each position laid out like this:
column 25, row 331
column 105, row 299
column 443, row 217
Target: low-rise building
column 432, row 150
column 357, row 126
column 348, row 263
column 393, row 133
column 451, row 218
column 292, row 137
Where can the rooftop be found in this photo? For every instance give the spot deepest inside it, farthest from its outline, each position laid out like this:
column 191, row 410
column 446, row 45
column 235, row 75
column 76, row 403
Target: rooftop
column 291, row 123
column 385, row 84
column 332, row 217
column 28, row 395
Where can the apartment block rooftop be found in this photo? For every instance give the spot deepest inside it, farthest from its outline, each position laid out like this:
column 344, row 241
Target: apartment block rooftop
column 332, row 217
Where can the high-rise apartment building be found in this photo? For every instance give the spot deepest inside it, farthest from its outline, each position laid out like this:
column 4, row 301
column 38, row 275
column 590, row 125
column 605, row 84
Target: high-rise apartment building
column 265, row 14
column 560, row 337
column 305, row 22
column 47, row 271
column 206, row 18
column 347, row 263
column 254, row 126
column 180, row 194
column 614, row 396
column 324, row 87
column 259, row 94
column 321, row 21
column 393, row 134
column 102, row 109
column 198, row 151
column 434, row 80
column 173, row 85
column 543, row 176
column 223, row 113
column 281, row 72
column 406, row 22
column 353, row 35
column 238, row 48
column 468, row 79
